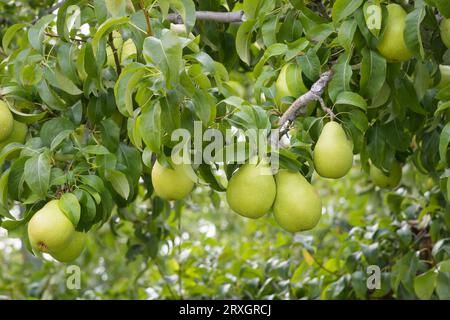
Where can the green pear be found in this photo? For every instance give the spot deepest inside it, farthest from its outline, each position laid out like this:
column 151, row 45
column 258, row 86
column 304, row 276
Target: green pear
column 171, row 184
column 289, row 84
column 445, row 76
column 73, row 249
column 49, row 230
column 445, row 32
column 251, row 190
column 297, row 204
column 18, row 135
column 392, row 43
column 333, row 153
column 386, row 181
column 6, row 121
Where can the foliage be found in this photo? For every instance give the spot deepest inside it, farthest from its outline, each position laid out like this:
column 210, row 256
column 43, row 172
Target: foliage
column 103, row 84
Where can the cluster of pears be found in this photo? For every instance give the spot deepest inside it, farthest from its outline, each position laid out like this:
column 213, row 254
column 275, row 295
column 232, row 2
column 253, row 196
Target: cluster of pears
column 253, row 190
column 10, row 129
column 50, row 231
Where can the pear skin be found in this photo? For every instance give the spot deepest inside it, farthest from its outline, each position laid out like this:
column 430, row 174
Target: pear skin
column 73, row 249
column 392, row 43
column 49, row 230
column 251, row 190
column 18, row 135
column 386, row 181
column 6, row 121
column 333, row 153
column 171, row 184
column 289, row 84
column 297, row 204
column 445, row 32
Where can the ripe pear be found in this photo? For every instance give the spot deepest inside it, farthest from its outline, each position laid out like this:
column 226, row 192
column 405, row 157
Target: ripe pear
column 251, row 190
column 289, row 84
column 386, row 181
column 18, row 135
column 49, row 230
column 392, row 43
column 297, row 204
column 333, row 153
column 73, row 249
column 445, row 32
column 6, row 121
column 171, row 184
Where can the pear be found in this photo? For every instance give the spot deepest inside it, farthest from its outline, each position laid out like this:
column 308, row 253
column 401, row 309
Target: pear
column 297, row 205
column 49, row 230
column 445, row 32
column 333, row 153
column 73, row 249
column 251, row 190
column 386, row 181
column 445, row 76
column 18, row 135
column 289, row 84
column 392, row 43
column 6, row 121
column 171, row 184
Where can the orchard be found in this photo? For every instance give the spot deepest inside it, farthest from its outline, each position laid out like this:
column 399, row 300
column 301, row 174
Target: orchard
column 225, row 149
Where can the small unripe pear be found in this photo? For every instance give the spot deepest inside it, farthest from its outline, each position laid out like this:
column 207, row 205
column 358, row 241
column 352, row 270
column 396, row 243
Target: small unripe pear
column 333, row 153
column 171, row 184
column 6, row 121
column 392, row 43
column 445, row 32
column 297, row 205
column 289, row 84
column 445, row 76
column 49, row 230
column 386, row 181
column 251, row 190
column 73, row 249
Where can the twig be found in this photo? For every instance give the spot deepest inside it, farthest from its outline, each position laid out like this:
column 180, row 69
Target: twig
column 298, row 107
column 115, row 54
column 147, row 18
column 225, row 17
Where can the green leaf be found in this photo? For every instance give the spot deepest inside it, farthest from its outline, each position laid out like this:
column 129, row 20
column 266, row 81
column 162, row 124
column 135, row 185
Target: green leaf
column 95, row 149
column 9, row 34
column 443, row 285
column 373, row 73
column 36, row 32
column 351, row 98
column 125, row 86
column 310, row 65
column 37, row 174
column 58, row 80
column 424, row 284
column 244, row 40
column 272, row 51
column 61, row 25
column 373, row 16
column 412, row 32
column 69, row 205
column 347, row 33
column 186, row 8
column 443, row 7
column 116, row 7
column 119, row 182
column 344, row 8
column 444, row 140
column 341, row 78
column 166, row 55
column 150, row 127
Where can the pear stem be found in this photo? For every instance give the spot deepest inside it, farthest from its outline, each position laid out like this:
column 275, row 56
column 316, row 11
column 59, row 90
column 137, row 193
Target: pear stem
column 298, row 107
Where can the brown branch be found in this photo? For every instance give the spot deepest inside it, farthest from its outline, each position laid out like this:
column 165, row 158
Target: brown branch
column 298, row 107
column 116, row 55
column 225, row 17
column 147, row 18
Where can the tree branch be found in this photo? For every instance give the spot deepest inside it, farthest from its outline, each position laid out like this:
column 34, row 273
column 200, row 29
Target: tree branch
column 225, row 17
column 147, row 18
column 115, row 54
column 298, row 107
